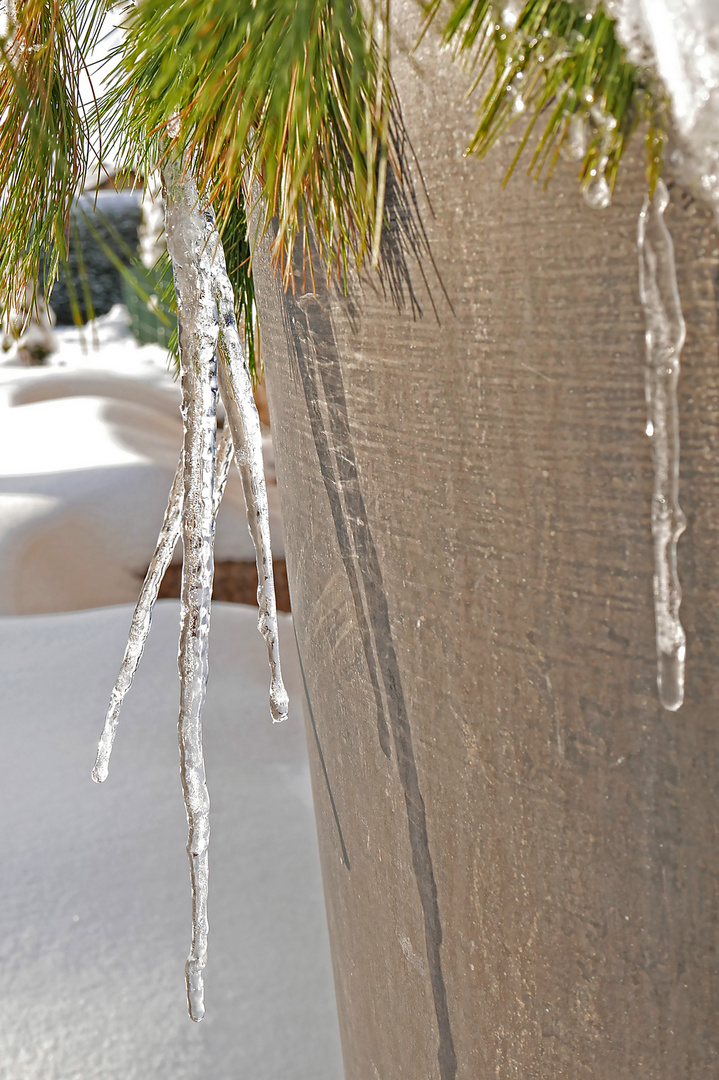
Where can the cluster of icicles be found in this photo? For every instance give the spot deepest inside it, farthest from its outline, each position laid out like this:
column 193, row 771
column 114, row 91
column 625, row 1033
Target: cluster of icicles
column 210, row 353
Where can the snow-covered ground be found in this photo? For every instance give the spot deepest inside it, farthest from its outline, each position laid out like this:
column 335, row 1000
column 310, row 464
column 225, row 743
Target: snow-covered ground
column 94, row 880
column 95, row 910
column 88, row 447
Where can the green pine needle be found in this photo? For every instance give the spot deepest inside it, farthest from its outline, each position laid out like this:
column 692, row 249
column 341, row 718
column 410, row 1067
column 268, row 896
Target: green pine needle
column 44, row 135
column 235, row 243
column 286, row 97
column 562, row 71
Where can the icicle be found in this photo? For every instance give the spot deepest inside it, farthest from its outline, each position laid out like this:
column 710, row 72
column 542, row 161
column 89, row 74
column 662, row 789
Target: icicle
column 142, row 615
column 189, row 232
column 664, row 339
column 236, row 391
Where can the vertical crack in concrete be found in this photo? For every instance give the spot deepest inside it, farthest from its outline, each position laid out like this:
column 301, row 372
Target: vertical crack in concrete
column 320, row 754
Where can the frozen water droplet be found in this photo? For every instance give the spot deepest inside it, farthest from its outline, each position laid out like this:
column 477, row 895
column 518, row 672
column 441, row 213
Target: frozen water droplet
column 664, row 340
column 517, row 99
column 574, row 147
column 597, row 193
column 511, row 13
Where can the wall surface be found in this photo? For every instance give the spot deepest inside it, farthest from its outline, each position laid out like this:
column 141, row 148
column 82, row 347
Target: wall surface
column 518, row 843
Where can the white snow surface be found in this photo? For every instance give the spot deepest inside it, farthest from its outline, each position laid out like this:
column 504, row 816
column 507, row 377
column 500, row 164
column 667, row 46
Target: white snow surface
column 88, row 448
column 94, row 885
column 681, row 39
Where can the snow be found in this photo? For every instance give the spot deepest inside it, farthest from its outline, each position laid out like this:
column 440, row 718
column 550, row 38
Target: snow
column 94, row 904
column 79, row 522
column 681, row 40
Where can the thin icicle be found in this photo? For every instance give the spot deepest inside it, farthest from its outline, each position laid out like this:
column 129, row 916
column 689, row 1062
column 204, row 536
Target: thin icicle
column 142, row 615
column 664, row 340
column 237, row 397
column 188, row 231
column 140, row 625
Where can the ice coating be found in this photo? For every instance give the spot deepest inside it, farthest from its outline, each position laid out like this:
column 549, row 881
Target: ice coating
column 236, row 391
column 664, row 339
column 222, row 467
column 189, row 241
column 140, row 624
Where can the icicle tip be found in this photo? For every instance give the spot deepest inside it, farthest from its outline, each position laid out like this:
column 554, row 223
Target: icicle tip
column 195, row 989
column 279, row 702
column 101, row 767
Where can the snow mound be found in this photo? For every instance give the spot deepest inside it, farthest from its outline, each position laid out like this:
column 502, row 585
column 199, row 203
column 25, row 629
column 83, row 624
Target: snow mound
column 88, row 447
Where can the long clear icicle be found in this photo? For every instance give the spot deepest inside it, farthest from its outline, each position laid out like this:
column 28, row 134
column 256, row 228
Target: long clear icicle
column 664, row 339
column 237, row 397
column 189, row 232
column 142, row 615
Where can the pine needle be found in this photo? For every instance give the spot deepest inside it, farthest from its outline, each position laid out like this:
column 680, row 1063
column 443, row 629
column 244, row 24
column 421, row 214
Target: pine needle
column 44, row 135
column 562, row 70
column 288, row 97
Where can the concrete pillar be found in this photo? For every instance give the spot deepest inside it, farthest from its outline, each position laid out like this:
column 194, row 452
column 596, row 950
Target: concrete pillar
column 519, row 845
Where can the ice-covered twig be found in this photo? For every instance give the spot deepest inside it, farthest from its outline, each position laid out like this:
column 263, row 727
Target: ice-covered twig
column 140, row 625
column 189, row 232
column 142, row 615
column 237, row 397
column 664, row 339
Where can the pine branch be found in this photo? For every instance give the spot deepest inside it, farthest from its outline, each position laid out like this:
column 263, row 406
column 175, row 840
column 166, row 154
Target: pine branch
column 289, row 94
column 44, row 135
column 561, row 70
